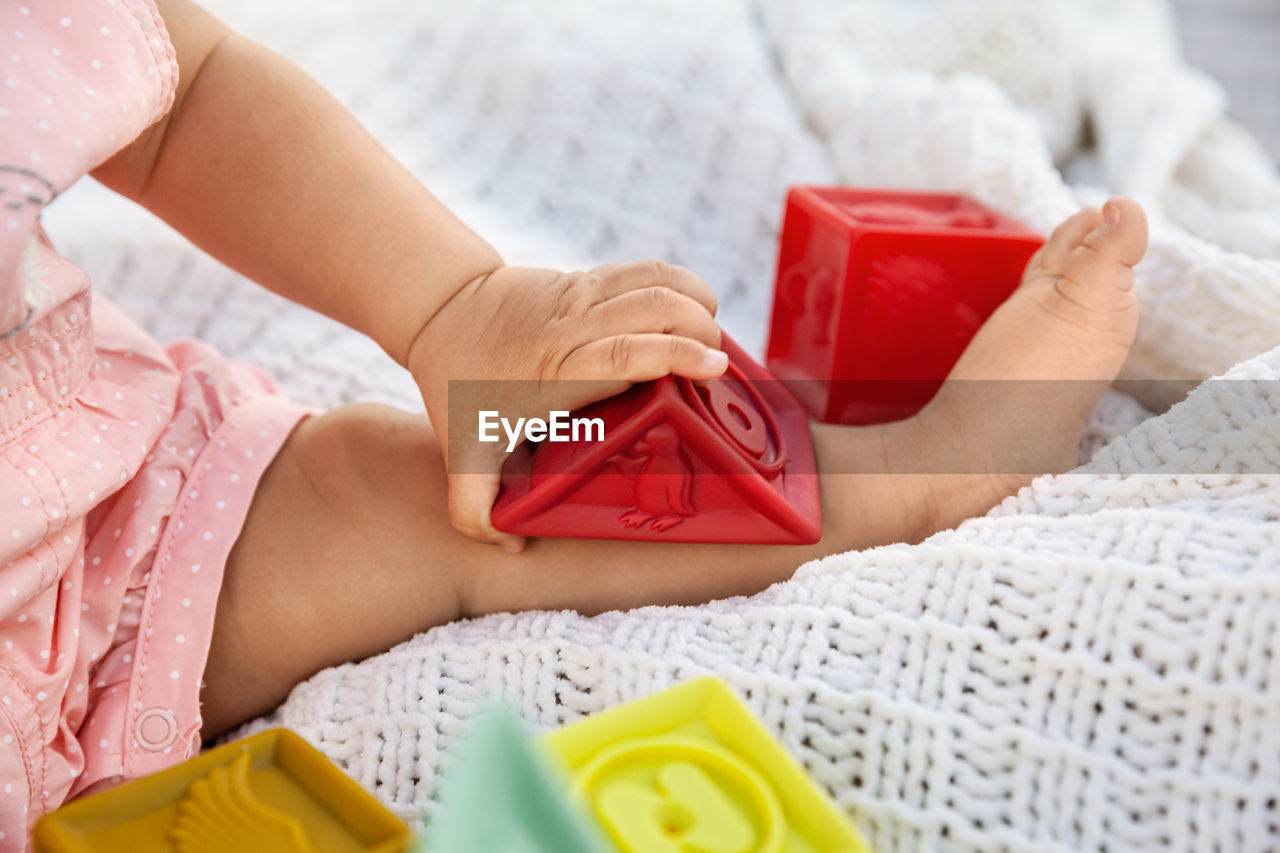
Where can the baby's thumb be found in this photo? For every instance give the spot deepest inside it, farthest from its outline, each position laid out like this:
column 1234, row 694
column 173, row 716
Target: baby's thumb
column 471, row 498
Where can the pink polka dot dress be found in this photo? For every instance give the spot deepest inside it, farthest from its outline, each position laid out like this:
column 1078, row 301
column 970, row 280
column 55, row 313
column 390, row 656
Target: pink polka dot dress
column 126, row 470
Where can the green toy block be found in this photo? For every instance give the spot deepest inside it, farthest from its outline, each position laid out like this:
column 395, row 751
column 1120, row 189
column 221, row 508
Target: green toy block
column 501, row 796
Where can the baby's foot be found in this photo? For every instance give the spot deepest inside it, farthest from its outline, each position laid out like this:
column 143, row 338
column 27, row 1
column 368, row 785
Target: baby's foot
column 1016, row 403
column 1075, row 314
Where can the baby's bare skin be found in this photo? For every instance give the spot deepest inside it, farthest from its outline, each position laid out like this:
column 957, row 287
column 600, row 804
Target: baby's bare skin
column 358, row 538
column 256, row 164
column 348, row 548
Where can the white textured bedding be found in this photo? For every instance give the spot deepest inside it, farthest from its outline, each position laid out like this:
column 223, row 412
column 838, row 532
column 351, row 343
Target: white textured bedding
column 1096, row 663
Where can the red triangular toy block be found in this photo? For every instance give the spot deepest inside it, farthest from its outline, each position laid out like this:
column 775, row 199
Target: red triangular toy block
column 728, row 461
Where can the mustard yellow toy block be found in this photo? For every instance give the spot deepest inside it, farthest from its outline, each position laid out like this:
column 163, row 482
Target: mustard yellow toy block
column 269, row 793
column 690, row 770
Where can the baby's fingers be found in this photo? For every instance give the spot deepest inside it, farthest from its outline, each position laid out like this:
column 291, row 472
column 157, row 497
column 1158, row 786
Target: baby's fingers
column 640, row 357
column 471, row 498
column 653, row 309
column 615, row 279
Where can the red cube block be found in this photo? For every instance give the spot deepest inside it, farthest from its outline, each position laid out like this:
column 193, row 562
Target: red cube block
column 878, row 293
column 729, row 460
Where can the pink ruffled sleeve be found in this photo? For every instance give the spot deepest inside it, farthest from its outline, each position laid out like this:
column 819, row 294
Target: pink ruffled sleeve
column 80, row 81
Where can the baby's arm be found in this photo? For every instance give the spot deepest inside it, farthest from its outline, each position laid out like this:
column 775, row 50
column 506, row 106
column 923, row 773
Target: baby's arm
column 261, row 168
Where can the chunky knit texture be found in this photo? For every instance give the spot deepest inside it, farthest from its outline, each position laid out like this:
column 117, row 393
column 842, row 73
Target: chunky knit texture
column 1095, row 664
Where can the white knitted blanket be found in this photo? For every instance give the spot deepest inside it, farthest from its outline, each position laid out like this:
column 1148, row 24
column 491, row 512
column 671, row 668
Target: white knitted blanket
column 1095, row 664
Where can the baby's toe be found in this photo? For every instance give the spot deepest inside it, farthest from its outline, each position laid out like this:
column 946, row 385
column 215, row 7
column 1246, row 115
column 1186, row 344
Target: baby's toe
column 1052, row 257
column 1098, row 272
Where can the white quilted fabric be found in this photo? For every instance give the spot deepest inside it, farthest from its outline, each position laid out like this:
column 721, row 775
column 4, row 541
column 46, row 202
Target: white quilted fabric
column 1095, row 665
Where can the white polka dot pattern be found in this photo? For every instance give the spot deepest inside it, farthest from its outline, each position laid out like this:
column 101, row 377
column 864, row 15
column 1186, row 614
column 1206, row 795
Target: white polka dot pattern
column 105, row 438
column 81, row 81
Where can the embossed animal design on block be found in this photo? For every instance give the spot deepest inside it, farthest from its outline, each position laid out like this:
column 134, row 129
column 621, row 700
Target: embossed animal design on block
column 726, row 461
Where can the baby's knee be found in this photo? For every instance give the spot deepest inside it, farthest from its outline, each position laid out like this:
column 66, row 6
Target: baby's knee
column 364, row 453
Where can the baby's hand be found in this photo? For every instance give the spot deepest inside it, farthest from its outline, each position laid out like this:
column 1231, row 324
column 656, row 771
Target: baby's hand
column 605, row 329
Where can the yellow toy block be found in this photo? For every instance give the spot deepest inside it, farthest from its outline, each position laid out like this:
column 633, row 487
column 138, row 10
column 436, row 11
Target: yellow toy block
column 269, row 793
column 690, row 770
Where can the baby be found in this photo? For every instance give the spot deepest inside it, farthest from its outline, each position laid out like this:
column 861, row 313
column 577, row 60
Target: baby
column 181, row 545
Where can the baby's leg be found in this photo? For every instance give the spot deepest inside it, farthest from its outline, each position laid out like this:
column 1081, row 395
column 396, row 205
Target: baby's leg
column 347, row 549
